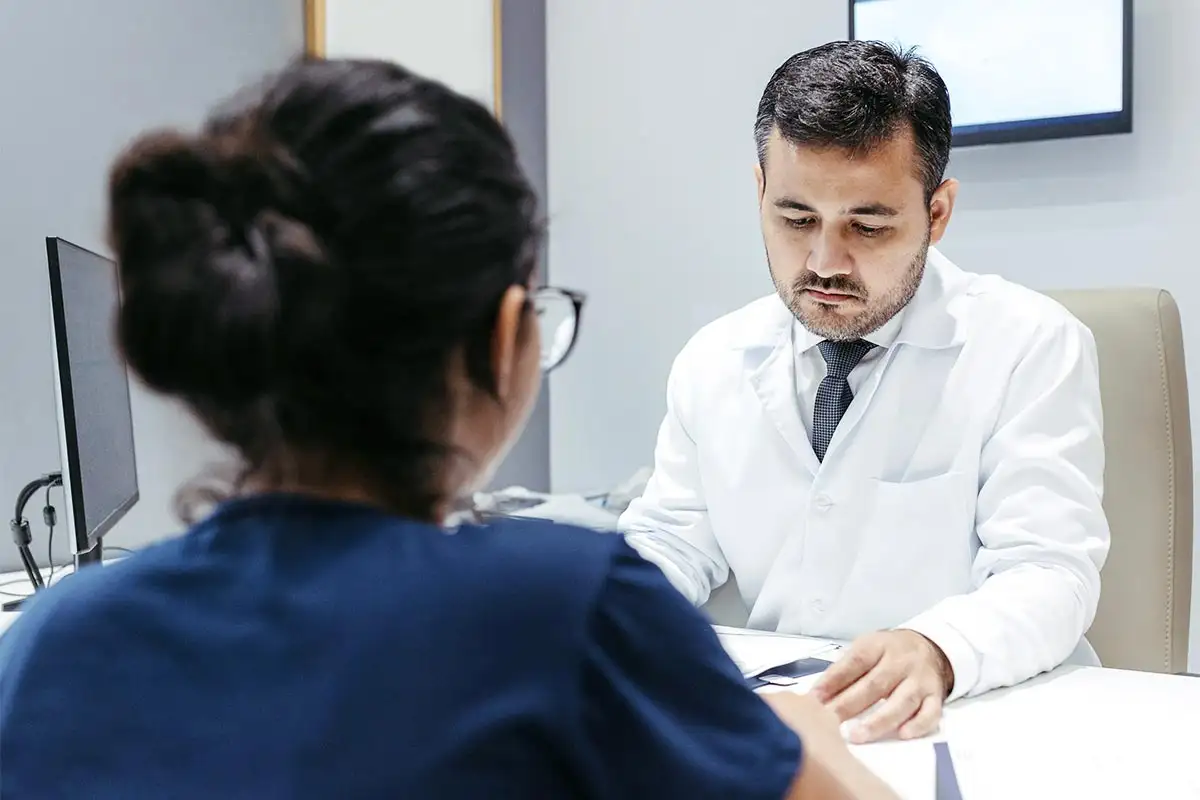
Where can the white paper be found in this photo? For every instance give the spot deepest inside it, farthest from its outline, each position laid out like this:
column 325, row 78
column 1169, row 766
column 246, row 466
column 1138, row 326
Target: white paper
column 571, row 509
column 756, row 652
column 909, row 767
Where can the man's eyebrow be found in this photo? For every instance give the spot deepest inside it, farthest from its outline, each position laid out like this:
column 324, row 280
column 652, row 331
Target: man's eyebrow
column 868, row 210
column 794, row 205
column 871, row 210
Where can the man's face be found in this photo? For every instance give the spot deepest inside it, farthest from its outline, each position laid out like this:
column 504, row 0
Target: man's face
column 847, row 236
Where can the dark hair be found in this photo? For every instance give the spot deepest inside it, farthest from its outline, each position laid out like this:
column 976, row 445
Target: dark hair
column 303, row 270
column 856, row 96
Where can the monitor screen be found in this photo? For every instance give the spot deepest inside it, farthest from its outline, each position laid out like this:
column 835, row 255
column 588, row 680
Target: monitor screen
column 95, row 418
column 1017, row 70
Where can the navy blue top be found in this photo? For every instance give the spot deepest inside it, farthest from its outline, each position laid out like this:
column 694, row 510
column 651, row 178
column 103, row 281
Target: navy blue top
column 295, row 648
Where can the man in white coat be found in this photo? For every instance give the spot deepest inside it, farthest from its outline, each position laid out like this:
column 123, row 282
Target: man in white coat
column 890, row 450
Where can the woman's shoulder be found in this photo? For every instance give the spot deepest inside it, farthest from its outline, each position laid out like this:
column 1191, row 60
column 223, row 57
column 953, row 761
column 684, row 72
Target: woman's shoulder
column 523, row 537
column 536, row 553
column 580, row 577
column 72, row 607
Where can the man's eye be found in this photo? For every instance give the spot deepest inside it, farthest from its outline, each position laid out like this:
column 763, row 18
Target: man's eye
column 798, row 223
column 868, row 230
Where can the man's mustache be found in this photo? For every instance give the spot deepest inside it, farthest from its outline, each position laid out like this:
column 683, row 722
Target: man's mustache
column 836, row 284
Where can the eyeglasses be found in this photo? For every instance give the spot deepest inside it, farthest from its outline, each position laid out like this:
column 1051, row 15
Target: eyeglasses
column 558, row 313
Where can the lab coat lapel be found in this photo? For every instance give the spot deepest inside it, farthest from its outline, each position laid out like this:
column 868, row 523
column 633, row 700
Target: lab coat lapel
column 927, row 325
column 775, row 383
column 859, row 405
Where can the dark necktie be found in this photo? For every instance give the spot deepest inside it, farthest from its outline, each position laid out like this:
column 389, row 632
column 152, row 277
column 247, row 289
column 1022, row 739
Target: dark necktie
column 834, row 395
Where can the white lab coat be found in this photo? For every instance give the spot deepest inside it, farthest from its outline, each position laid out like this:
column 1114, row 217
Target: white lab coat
column 960, row 495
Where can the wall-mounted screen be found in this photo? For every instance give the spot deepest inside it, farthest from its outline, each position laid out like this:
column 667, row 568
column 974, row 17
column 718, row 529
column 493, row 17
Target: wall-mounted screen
column 1018, row 70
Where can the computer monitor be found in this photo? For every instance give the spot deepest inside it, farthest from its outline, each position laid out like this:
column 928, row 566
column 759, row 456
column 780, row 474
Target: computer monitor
column 1018, row 70
column 95, row 420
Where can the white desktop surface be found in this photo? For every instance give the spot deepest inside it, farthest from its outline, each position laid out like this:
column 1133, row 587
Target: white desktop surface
column 1079, row 732
column 1073, row 732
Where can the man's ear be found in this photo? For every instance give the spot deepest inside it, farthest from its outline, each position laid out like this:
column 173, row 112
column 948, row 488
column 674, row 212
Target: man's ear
column 506, row 338
column 760, row 178
column 941, row 207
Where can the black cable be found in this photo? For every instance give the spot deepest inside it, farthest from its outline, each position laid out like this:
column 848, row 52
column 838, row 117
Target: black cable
column 20, row 526
column 50, row 518
column 27, row 559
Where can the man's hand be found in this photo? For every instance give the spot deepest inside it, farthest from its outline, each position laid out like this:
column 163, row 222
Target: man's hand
column 901, row 667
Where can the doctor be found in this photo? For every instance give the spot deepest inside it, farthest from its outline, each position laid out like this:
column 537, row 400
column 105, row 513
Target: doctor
column 891, row 450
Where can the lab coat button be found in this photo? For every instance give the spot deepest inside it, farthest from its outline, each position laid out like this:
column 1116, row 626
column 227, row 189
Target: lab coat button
column 823, row 502
column 818, row 607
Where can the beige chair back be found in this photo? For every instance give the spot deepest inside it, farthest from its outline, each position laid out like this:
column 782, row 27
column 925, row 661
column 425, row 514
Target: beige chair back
column 1145, row 599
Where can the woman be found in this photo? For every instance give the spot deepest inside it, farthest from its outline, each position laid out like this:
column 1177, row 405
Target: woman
column 334, row 276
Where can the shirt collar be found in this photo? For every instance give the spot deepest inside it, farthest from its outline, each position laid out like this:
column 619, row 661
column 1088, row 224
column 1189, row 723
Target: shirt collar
column 882, row 337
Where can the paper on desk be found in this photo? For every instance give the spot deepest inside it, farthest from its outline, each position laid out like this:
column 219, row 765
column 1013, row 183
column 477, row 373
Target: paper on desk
column 755, row 652
column 909, row 767
column 572, row 510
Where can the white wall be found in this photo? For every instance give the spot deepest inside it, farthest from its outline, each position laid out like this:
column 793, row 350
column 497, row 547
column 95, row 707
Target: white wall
column 651, row 104
column 449, row 40
column 82, row 77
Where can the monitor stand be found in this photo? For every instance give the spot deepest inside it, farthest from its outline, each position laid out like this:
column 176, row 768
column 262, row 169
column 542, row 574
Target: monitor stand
column 93, row 556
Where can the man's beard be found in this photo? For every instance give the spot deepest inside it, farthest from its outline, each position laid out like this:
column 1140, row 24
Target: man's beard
column 827, row 323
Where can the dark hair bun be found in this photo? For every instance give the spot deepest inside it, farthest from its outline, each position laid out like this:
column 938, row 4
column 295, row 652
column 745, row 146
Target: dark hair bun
column 309, row 273
column 201, row 227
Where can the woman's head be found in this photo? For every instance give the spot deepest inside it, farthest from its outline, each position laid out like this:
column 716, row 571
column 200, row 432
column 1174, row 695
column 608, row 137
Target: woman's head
column 334, row 274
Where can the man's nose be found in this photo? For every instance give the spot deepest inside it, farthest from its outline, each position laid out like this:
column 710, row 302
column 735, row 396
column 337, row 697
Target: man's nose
column 829, row 258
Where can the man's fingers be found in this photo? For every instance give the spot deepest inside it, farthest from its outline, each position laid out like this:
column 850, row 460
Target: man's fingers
column 896, row 711
column 925, row 721
column 867, row 690
column 859, row 659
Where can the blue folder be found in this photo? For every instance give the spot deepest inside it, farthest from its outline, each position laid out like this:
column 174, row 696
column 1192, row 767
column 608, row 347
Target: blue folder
column 946, row 786
column 797, row 669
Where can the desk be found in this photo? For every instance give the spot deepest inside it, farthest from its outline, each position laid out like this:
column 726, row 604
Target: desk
column 16, row 583
column 1079, row 732
column 1074, row 732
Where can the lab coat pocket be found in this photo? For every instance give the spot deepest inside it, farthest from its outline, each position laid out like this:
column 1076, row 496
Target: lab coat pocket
column 917, row 540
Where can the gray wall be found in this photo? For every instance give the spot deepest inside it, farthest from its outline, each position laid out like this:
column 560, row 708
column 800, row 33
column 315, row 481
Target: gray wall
column 523, row 93
column 80, row 77
column 651, row 104
column 652, row 198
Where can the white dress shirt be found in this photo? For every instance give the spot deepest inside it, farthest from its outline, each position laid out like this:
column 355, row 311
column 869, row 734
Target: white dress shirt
column 959, row 496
